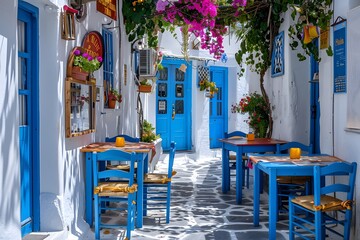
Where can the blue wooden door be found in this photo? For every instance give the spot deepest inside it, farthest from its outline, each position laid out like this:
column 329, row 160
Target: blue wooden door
column 314, row 106
column 28, row 114
column 173, row 104
column 218, row 106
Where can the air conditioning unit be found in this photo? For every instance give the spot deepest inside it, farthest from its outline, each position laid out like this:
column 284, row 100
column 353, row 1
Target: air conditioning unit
column 147, row 59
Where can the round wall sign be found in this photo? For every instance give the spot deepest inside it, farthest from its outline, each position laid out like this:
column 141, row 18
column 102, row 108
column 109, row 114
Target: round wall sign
column 93, row 44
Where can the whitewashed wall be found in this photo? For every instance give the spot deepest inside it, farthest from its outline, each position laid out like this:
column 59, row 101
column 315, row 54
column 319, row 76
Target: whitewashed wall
column 334, row 137
column 62, row 164
column 290, row 94
column 9, row 130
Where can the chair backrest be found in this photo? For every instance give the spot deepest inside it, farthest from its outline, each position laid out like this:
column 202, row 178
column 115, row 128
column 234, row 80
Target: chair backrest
column 335, row 169
column 113, row 155
column 235, row 134
column 171, row 158
column 284, row 148
column 126, row 137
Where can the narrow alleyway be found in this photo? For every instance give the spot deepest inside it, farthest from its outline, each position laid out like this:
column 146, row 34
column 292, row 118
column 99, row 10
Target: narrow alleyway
column 199, row 209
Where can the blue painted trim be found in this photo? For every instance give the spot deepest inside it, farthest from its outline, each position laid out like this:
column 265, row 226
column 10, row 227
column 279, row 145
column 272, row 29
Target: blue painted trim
column 108, row 69
column 279, row 39
column 225, row 95
column 35, row 116
column 314, row 95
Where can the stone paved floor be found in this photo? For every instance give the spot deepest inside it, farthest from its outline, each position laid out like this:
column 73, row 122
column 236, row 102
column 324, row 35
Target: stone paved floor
column 199, row 210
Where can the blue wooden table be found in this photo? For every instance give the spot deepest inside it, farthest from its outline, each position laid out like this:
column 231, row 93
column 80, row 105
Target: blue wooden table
column 241, row 146
column 281, row 165
column 142, row 151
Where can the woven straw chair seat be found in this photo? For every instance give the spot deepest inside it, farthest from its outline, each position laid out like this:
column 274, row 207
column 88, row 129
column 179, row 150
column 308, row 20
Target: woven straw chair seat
column 327, row 203
column 123, row 167
column 114, row 189
column 157, row 178
column 293, row 180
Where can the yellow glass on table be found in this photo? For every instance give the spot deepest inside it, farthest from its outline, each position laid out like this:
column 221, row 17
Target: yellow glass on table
column 250, row 137
column 295, row 153
column 120, row 142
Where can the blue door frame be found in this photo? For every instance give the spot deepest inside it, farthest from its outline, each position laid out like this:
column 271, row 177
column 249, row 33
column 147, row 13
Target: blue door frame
column 314, row 106
column 28, row 63
column 173, row 104
column 218, row 123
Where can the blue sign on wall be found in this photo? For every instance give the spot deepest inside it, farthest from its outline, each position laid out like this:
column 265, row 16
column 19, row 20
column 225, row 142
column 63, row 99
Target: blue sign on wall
column 340, row 58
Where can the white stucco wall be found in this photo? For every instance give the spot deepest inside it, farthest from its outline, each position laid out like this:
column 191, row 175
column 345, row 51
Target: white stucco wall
column 9, row 130
column 62, row 163
column 334, row 137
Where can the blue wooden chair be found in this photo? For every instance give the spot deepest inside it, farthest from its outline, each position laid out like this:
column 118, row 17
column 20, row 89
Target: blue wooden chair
column 292, row 185
column 232, row 158
column 336, row 197
column 126, row 137
column 115, row 186
column 157, row 187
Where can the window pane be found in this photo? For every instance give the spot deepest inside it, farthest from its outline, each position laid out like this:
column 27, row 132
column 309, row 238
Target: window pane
column 163, row 74
column 23, row 110
column 22, row 73
column 180, row 75
column 21, row 36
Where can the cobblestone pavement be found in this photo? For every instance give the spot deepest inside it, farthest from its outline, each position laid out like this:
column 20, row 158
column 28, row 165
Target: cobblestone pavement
column 199, row 209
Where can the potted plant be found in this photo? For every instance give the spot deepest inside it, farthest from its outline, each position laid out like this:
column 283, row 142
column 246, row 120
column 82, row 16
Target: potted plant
column 254, row 104
column 114, row 96
column 87, row 63
column 145, row 85
column 148, row 134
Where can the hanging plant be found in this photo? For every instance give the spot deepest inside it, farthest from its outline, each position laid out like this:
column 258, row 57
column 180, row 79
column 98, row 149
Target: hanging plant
column 310, row 16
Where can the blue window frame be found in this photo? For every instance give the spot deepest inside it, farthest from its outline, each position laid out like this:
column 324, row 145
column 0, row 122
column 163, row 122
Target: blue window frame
column 108, row 62
column 277, row 59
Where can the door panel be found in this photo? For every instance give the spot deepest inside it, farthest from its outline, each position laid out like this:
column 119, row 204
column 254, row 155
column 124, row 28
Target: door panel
column 173, row 118
column 218, row 106
column 27, row 29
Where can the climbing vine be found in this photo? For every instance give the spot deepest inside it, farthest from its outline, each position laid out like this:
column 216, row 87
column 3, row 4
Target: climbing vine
column 259, row 24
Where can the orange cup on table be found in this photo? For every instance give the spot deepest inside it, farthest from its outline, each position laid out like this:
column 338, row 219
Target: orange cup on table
column 120, row 142
column 250, row 136
column 295, row 153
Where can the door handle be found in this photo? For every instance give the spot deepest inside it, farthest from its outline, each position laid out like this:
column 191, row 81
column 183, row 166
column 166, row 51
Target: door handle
column 173, row 112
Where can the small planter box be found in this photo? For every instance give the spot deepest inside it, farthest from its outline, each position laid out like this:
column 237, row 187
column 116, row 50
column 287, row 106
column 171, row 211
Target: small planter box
column 145, row 88
column 79, row 74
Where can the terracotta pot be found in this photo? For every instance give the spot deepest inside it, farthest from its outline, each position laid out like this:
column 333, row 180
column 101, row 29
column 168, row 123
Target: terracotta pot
column 145, row 88
column 112, row 103
column 79, row 73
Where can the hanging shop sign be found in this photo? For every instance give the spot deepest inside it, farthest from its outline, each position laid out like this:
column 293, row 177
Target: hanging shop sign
column 107, row 7
column 93, row 44
column 340, row 57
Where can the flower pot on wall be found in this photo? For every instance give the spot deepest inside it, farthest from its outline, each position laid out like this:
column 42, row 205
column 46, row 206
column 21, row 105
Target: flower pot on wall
column 145, row 88
column 112, row 104
column 79, row 73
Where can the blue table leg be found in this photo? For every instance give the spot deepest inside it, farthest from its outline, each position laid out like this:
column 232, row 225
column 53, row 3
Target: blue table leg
column 88, row 189
column 256, row 195
column 225, row 170
column 146, row 170
column 239, row 175
column 140, row 192
column 272, row 204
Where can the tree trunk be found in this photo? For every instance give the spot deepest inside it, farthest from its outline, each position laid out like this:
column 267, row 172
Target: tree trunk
column 266, row 97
